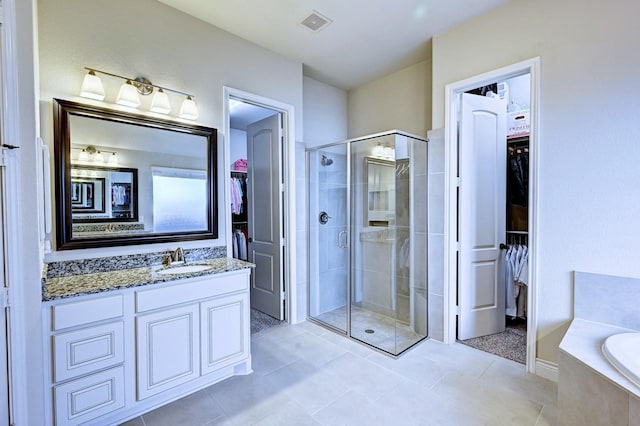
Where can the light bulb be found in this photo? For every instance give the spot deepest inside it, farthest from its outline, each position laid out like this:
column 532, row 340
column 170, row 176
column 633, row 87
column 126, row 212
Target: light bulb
column 389, row 152
column 378, row 151
column 92, row 87
column 160, row 102
column 189, row 109
column 113, row 159
column 128, row 95
column 83, row 155
column 99, row 157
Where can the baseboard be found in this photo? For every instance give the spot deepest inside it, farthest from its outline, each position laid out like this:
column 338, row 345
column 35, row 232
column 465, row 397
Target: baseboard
column 547, row 370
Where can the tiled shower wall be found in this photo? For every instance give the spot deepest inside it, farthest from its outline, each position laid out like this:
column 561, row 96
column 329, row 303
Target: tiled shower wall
column 328, row 262
column 435, row 258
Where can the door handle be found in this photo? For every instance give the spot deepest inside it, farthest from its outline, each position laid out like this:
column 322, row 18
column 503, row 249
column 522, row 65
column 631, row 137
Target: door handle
column 250, row 239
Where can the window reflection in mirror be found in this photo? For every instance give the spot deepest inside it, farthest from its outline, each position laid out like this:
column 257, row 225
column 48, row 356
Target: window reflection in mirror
column 179, row 201
column 127, row 179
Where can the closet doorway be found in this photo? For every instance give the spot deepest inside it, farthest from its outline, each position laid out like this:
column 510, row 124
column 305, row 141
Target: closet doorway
column 258, row 199
column 490, row 212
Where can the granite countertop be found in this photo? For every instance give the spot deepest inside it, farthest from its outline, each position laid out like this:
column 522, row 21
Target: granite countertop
column 54, row 288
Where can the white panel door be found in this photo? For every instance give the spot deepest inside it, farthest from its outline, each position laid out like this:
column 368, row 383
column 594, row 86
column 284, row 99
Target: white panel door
column 168, row 344
column 482, row 216
column 265, row 215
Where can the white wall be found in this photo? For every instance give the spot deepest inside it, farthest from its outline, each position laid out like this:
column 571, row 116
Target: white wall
column 589, row 197
column 325, row 113
column 168, row 47
column 238, row 145
column 401, row 100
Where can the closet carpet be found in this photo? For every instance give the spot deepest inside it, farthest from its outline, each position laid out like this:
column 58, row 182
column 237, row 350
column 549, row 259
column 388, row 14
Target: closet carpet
column 260, row 321
column 512, row 344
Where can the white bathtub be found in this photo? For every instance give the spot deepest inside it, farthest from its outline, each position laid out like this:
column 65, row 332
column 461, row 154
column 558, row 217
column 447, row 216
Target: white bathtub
column 623, row 352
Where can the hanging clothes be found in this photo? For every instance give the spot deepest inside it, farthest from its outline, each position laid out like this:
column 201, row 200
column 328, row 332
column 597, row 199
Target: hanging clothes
column 119, row 196
column 239, row 245
column 521, row 280
column 516, row 277
column 238, row 189
column 510, row 302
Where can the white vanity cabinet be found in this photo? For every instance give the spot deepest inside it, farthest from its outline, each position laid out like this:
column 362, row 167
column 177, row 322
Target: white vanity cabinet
column 87, row 348
column 122, row 353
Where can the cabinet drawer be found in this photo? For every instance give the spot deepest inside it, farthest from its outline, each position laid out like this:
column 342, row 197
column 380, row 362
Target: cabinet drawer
column 211, row 286
column 87, row 311
column 87, row 350
column 85, row 399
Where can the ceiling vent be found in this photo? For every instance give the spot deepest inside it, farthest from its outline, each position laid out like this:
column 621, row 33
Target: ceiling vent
column 316, row 21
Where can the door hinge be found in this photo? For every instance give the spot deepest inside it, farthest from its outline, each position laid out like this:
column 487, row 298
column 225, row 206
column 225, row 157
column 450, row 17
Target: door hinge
column 283, row 242
column 4, row 298
column 457, row 309
column 458, row 245
column 458, row 182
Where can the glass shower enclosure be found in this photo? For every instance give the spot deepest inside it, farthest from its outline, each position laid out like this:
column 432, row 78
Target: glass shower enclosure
column 367, row 236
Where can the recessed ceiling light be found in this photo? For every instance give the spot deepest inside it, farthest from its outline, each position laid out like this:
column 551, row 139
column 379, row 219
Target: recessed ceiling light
column 315, row 21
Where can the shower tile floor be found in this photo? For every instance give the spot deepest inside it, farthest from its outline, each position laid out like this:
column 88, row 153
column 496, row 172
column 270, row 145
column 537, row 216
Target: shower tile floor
column 388, row 335
column 304, row 374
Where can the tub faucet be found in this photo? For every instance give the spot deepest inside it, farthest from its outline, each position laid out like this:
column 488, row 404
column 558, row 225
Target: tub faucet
column 178, row 256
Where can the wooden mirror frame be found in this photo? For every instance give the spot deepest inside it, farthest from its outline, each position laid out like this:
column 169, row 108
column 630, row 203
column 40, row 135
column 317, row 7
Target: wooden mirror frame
column 62, row 111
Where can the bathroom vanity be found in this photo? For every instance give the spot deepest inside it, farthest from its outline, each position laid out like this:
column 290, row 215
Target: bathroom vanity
column 125, row 342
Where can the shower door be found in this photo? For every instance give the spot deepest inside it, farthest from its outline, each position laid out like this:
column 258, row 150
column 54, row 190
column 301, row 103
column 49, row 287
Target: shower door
column 328, row 195
column 367, row 236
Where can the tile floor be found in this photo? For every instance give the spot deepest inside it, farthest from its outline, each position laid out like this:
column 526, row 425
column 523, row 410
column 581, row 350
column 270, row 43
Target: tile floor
column 306, row 375
column 389, row 335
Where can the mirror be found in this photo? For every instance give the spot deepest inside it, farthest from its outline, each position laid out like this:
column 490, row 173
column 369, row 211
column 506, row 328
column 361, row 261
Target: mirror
column 123, row 178
column 380, row 195
column 90, row 187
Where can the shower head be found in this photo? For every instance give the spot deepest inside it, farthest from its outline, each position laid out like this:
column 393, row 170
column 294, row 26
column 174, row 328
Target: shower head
column 326, row 161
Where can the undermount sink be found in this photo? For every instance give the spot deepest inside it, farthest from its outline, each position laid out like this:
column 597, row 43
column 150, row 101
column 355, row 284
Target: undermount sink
column 185, row 269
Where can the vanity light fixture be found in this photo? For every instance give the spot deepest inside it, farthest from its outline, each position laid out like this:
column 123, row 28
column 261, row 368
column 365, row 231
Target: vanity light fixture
column 389, row 153
column 378, row 151
column 83, row 156
column 189, row 109
column 129, row 94
column 386, row 152
column 92, row 87
column 160, row 102
column 98, row 157
column 91, row 154
column 113, row 159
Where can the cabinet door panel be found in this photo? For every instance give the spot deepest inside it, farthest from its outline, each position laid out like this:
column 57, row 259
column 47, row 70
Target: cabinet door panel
column 88, row 398
column 225, row 337
column 168, row 349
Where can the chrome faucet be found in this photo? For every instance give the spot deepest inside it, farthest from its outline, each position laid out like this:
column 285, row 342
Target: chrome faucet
column 178, row 256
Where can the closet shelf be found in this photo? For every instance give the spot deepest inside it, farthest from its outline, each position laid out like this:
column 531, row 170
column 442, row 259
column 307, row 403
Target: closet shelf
column 518, row 232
